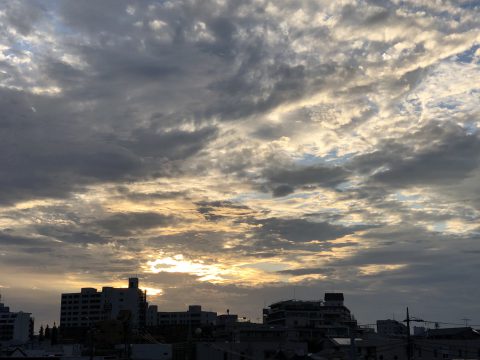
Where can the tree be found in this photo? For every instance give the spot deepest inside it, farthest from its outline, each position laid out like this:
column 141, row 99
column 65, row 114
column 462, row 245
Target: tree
column 41, row 333
column 47, row 332
column 54, row 335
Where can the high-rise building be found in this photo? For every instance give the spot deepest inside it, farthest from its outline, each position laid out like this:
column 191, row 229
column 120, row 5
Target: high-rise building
column 83, row 309
column 15, row 327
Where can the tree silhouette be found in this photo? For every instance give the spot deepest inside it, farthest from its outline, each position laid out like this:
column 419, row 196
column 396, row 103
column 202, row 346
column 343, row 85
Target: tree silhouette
column 54, row 335
column 41, row 334
column 47, row 332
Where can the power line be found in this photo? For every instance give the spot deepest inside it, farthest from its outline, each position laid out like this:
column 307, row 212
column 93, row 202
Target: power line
column 449, row 323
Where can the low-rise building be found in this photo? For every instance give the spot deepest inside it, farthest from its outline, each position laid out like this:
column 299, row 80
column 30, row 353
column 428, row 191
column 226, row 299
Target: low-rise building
column 330, row 316
column 194, row 316
column 391, row 328
column 449, row 343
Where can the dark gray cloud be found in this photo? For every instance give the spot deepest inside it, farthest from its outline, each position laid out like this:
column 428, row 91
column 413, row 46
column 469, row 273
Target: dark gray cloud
column 453, row 158
column 212, row 210
column 193, row 242
column 283, row 190
column 434, row 155
column 300, row 230
column 7, row 239
column 124, row 224
column 123, row 192
column 321, row 175
column 284, row 181
column 23, row 17
column 307, row 271
column 45, row 155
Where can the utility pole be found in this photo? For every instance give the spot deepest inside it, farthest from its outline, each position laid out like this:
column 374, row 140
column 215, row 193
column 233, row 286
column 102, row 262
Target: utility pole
column 409, row 345
column 189, row 336
column 92, row 346
column 465, row 354
column 408, row 320
column 353, row 350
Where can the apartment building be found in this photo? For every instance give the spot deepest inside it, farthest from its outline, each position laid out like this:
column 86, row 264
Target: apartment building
column 15, row 327
column 83, row 309
column 330, row 315
column 194, row 316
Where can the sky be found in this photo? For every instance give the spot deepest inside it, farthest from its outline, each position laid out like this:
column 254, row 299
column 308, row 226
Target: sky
column 237, row 153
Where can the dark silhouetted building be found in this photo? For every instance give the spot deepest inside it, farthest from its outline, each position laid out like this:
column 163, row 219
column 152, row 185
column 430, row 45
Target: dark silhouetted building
column 391, row 328
column 15, row 327
column 330, row 316
column 89, row 306
column 194, row 316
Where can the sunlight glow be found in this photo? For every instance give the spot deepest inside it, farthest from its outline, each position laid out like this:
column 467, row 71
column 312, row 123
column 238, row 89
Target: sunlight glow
column 374, row 269
column 178, row 264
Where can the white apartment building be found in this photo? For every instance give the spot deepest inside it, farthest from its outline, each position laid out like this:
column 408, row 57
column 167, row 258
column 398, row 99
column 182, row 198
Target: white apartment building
column 15, row 327
column 83, row 309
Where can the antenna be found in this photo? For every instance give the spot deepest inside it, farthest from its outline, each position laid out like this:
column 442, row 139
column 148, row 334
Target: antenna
column 466, row 321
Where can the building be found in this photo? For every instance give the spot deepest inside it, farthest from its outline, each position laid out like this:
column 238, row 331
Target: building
column 148, row 351
column 89, row 306
column 391, row 328
column 330, row 316
column 258, row 350
column 419, row 331
column 436, row 344
column 194, row 316
column 15, row 327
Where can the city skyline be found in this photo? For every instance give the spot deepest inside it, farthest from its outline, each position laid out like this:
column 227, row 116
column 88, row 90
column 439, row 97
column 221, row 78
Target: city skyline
column 236, row 153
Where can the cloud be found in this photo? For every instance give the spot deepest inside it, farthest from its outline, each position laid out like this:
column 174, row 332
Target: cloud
column 314, row 145
column 306, row 271
column 310, row 175
column 299, row 230
column 123, row 224
column 445, row 154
